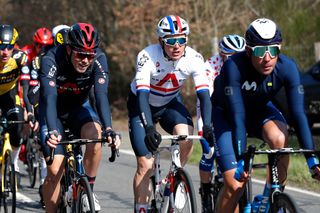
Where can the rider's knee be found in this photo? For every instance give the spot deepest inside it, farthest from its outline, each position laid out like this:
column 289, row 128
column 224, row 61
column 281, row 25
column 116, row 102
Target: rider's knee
column 145, row 165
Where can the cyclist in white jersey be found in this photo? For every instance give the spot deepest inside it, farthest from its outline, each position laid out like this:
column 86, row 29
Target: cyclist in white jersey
column 161, row 71
column 228, row 45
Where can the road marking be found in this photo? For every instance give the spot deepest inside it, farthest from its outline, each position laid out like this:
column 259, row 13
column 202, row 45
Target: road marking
column 294, row 189
column 24, row 199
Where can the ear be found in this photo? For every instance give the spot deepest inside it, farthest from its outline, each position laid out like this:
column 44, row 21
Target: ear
column 68, row 49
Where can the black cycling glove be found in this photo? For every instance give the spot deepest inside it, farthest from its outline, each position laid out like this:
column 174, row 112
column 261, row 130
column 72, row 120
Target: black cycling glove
column 152, row 139
column 208, row 134
column 108, row 133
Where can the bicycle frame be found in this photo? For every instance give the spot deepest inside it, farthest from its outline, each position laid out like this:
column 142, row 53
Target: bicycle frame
column 164, row 187
column 5, row 149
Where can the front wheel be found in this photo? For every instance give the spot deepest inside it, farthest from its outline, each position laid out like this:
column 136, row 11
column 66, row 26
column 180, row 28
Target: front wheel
column 183, row 193
column 84, row 201
column 283, row 202
column 32, row 162
column 8, row 196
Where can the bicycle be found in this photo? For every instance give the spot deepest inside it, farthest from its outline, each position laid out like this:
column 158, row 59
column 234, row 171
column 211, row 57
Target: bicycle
column 278, row 200
column 74, row 175
column 33, row 156
column 174, row 192
column 8, row 176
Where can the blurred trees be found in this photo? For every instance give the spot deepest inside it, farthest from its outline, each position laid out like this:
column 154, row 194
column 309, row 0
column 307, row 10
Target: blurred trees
column 126, row 27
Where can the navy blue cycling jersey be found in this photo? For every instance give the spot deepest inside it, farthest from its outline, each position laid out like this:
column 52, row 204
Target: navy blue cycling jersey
column 242, row 91
column 63, row 88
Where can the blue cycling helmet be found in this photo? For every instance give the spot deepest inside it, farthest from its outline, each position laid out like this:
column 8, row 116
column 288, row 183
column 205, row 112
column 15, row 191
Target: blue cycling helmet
column 231, row 44
column 172, row 25
column 263, row 31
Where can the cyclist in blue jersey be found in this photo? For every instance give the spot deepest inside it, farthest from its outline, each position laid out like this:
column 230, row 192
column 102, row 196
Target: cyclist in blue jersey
column 242, row 104
column 228, row 45
column 68, row 72
column 161, row 71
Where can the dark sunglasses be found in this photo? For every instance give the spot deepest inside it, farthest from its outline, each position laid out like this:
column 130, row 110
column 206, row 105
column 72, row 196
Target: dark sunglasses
column 173, row 41
column 83, row 55
column 260, row 51
column 6, row 46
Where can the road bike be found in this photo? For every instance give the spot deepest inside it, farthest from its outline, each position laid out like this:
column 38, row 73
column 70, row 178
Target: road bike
column 74, row 176
column 174, row 192
column 8, row 176
column 278, row 200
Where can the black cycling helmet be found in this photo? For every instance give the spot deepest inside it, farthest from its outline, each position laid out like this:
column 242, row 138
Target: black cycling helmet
column 61, row 37
column 83, row 36
column 263, row 31
column 8, row 35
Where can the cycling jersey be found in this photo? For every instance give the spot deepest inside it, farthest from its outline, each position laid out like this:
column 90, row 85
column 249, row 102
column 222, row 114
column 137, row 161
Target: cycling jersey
column 16, row 69
column 163, row 78
column 31, row 51
column 64, row 89
column 243, row 95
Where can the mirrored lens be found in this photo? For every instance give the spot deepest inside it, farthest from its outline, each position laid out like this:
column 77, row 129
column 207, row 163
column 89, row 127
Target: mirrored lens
column 6, row 46
column 173, row 41
column 260, row 51
column 83, row 55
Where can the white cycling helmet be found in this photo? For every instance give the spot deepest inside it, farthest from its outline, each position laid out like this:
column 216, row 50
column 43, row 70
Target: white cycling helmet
column 172, row 25
column 57, row 28
column 231, row 44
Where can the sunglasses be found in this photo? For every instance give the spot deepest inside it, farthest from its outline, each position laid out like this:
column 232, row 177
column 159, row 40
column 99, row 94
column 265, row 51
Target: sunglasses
column 83, row 55
column 6, row 46
column 260, row 51
column 173, row 41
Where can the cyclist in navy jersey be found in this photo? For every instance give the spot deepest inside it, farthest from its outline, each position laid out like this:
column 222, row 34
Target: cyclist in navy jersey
column 242, row 104
column 67, row 73
column 161, row 71
column 228, row 45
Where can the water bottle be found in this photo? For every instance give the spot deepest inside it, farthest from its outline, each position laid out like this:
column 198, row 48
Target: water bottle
column 247, row 208
column 256, row 203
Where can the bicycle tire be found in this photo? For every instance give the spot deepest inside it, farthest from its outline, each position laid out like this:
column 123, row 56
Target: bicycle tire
column 283, row 201
column 152, row 200
column 84, row 189
column 183, row 193
column 217, row 192
column 8, row 196
column 32, row 162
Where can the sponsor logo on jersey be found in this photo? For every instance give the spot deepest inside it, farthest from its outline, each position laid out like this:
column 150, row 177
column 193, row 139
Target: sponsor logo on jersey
column 101, row 80
column 142, row 60
column 228, row 91
column 249, row 86
column 25, row 70
column 52, row 71
column 52, row 84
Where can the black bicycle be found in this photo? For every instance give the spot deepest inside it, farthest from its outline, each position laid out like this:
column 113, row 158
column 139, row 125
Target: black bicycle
column 74, row 176
column 278, row 200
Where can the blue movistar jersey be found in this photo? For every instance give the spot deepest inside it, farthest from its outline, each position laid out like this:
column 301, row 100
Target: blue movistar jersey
column 242, row 92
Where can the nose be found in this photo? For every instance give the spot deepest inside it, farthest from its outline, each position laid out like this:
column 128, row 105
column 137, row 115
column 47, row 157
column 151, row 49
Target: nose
column 267, row 57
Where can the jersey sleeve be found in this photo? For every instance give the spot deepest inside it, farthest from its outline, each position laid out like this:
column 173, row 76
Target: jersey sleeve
column 48, row 92
column 295, row 97
column 101, row 84
column 235, row 104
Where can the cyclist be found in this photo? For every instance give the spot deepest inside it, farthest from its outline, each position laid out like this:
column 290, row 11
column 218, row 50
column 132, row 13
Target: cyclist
column 228, row 45
column 58, row 28
column 67, row 73
column 242, row 104
column 13, row 69
column 42, row 39
column 161, row 71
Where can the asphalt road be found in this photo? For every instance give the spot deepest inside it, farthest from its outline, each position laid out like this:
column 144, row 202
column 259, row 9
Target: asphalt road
column 114, row 186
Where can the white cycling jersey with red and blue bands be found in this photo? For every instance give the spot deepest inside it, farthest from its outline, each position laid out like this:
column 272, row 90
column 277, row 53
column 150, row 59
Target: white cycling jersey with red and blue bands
column 163, row 78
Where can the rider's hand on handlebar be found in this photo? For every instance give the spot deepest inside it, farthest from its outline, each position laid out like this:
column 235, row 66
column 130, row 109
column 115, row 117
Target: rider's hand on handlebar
column 111, row 137
column 53, row 138
column 33, row 123
column 152, row 139
column 208, row 134
column 240, row 174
